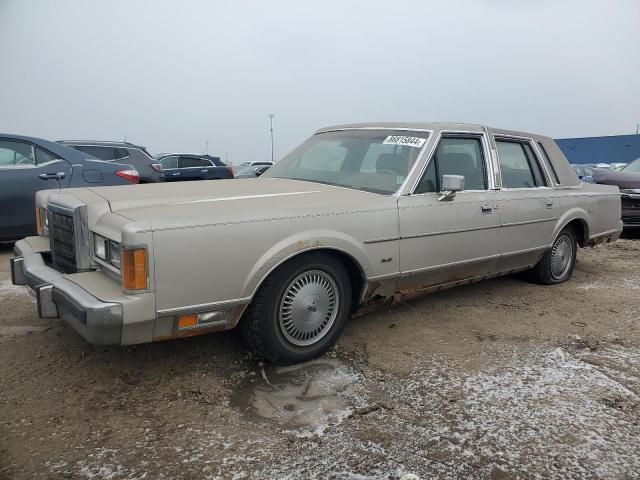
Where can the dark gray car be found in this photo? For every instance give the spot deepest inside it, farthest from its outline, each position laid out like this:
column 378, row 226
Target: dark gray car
column 30, row 164
column 122, row 152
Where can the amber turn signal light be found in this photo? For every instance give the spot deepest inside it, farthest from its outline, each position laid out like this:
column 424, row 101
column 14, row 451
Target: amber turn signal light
column 134, row 269
column 187, row 321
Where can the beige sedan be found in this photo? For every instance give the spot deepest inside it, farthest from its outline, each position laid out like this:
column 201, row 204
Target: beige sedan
column 356, row 214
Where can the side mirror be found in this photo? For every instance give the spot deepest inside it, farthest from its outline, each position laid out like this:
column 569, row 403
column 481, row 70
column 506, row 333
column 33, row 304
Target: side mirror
column 450, row 185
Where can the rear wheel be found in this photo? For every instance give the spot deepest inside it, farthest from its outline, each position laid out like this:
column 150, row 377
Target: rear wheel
column 300, row 310
column 558, row 263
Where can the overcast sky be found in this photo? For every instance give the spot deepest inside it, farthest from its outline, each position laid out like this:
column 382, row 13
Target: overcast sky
column 172, row 74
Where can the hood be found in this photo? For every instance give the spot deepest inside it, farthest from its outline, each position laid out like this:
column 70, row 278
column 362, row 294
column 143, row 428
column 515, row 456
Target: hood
column 176, row 204
column 623, row 180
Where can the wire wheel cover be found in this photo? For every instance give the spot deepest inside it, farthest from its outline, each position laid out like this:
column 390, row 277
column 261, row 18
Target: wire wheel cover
column 561, row 256
column 308, row 308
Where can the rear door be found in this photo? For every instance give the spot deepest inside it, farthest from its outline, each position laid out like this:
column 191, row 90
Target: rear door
column 194, row 168
column 528, row 204
column 26, row 168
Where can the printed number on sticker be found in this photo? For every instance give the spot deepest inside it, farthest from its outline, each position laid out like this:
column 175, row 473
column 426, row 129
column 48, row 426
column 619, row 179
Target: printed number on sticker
column 402, row 140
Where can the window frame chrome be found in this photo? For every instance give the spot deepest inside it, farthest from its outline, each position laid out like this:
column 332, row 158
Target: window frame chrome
column 520, row 139
column 482, row 135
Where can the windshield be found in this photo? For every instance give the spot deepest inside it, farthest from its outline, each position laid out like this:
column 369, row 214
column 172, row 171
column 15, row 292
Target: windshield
column 375, row 161
column 633, row 167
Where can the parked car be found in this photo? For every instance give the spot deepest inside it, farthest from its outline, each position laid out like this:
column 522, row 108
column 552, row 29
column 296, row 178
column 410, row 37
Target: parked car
column 582, row 170
column 121, row 152
column 187, row 166
column 628, row 181
column 243, row 165
column 617, row 166
column 252, row 172
column 357, row 214
column 30, row 164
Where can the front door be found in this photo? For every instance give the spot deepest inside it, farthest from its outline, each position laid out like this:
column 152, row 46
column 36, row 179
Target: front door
column 24, row 169
column 446, row 241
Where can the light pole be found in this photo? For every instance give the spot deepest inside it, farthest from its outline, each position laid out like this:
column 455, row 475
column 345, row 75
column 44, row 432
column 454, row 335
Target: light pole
column 206, row 147
column 271, row 115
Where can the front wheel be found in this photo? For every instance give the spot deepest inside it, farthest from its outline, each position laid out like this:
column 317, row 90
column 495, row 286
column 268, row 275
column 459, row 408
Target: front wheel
column 300, row 310
column 558, row 263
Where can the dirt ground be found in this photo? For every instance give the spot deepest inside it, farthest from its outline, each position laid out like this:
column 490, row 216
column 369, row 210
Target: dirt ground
column 501, row 379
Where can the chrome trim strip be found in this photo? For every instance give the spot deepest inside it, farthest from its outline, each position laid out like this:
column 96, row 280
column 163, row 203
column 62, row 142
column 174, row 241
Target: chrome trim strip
column 381, row 240
column 446, row 232
column 534, row 149
column 203, row 307
column 528, row 222
column 434, row 146
column 604, row 234
column 244, row 197
column 474, row 260
column 448, row 265
column 401, row 129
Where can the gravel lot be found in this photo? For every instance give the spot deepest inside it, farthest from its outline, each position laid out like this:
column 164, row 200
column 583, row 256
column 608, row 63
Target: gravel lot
column 502, row 379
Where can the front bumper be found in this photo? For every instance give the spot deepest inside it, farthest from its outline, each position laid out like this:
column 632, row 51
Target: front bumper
column 631, row 210
column 100, row 323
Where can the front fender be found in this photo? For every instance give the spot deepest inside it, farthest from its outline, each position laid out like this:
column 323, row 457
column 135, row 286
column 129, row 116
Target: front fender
column 304, row 242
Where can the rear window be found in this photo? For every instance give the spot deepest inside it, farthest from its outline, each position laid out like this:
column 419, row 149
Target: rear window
column 190, row 162
column 108, row 154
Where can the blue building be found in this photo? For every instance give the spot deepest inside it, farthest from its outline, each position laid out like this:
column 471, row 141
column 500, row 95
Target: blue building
column 610, row 149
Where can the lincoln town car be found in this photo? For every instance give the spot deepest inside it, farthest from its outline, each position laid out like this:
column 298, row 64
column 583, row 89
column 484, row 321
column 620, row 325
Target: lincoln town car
column 357, row 214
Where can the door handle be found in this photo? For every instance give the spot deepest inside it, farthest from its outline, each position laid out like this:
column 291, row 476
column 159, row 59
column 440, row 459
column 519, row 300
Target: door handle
column 549, row 203
column 174, row 174
column 52, row 176
column 204, row 171
column 487, row 209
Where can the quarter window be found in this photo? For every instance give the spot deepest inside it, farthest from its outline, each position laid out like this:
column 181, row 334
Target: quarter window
column 42, row 156
column 456, row 156
column 519, row 165
column 548, row 163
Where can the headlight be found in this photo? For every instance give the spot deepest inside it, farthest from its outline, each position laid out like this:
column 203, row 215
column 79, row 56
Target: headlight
column 114, row 253
column 100, row 246
column 107, row 250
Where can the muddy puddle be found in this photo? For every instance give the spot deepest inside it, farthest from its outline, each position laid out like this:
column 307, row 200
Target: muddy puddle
column 307, row 399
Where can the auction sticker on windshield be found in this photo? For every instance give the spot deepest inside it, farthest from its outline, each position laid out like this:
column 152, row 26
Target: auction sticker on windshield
column 402, row 140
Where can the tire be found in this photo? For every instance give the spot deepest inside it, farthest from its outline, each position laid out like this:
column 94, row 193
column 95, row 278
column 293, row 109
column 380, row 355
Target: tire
column 558, row 263
column 300, row 310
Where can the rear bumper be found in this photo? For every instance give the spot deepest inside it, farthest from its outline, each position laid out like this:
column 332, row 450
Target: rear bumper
column 99, row 322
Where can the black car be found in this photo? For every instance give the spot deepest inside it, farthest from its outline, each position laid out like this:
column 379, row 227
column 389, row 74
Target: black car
column 121, row 152
column 186, row 166
column 30, row 164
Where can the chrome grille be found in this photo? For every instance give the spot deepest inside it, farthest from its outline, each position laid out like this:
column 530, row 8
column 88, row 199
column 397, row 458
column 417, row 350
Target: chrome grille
column 63, row 248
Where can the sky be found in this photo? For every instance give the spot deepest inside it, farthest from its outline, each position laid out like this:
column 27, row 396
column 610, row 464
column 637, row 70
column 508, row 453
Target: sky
column 173, row 75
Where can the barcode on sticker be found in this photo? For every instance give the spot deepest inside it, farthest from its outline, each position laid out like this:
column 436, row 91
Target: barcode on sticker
column 402, row 140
